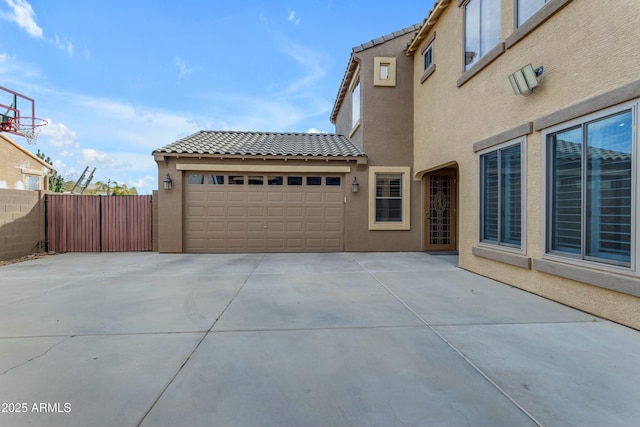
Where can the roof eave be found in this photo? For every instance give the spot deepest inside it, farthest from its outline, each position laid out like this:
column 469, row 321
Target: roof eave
column 429, row 22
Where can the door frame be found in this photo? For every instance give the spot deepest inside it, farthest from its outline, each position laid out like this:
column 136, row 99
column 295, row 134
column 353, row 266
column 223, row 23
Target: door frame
column 452, row 172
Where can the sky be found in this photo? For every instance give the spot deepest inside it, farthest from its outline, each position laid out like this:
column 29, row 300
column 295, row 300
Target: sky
column 118, row 79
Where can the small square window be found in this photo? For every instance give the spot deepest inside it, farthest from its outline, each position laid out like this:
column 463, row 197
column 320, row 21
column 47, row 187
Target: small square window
column 33, row 182
column 314, row 180
column 332, row 180
column 256, row 180
column 236, row 180
column 294, row 180
column 428, row 58
column 216, row 179
column 275, row 180
column 195, row 179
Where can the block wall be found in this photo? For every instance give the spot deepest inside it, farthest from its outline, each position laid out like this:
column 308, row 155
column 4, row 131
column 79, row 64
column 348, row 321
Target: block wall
column 21, row 223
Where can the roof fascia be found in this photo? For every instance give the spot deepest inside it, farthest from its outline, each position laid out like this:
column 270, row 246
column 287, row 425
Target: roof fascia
column 429, row 22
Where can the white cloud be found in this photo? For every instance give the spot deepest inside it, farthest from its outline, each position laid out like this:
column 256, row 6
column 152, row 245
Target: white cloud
column 106, row 160
column 292, row 17
column 64, row 44
column 143, row 182
column 58, row 135
column 183, row 70
column 22, row 14
column 314, row 130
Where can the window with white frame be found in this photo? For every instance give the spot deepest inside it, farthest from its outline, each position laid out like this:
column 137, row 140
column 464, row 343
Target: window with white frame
column 427, row 57
column 482, row 29
column 526, row 9
column 590, row 187
column 389, row 198
column 501, row 201
column 355, row 104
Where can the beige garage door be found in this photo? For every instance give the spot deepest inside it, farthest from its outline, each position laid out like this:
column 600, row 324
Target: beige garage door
column 263, row 212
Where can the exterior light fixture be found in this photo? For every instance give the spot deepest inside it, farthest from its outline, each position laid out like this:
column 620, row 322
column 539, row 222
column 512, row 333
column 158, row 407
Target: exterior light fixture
column 355, row 185
column 167, row 182
column 524, row 80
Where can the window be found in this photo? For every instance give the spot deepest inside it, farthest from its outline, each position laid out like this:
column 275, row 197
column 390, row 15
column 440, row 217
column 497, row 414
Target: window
column 294, row 180
column 275, row 180
column 482, row 29
column 526, row 9
column 32, row 182
column 216, row 179
column 332, row 180
column 195, row 179
column 590, row 189
column 314, row 180
column 389, row 198
column 256, row 180
column 384, row 71
column 427, row 57
column 236, row 180
column 501, row 196
column 355, row 104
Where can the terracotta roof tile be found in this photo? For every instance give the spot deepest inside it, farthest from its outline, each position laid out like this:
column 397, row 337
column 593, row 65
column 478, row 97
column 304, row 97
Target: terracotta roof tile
column 264, row 144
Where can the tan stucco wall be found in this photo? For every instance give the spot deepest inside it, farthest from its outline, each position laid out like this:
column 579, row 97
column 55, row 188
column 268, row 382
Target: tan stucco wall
column 14, row 160
column 386, row 136
column 587, row 48
column 21, row 223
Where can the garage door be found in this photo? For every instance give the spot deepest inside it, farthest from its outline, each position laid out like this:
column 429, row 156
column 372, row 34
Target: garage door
column 263, row 213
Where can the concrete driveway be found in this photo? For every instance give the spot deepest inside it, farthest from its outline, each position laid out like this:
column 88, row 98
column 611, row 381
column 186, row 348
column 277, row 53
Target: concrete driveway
column 363, row 339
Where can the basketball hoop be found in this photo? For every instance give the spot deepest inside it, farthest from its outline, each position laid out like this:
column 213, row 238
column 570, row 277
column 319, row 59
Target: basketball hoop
column 27, row 127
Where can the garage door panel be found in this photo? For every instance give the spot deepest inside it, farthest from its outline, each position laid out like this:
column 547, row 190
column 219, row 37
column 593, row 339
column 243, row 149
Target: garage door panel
column 241, row 218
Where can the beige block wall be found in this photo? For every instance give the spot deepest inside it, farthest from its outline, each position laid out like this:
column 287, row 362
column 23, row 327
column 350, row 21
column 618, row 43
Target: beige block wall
column 21, row 223
column 587, row 48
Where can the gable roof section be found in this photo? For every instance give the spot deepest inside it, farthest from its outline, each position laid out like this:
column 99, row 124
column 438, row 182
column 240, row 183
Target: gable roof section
column 352, row 64
column 18, row 147
column 263, row 144
column 427, row 25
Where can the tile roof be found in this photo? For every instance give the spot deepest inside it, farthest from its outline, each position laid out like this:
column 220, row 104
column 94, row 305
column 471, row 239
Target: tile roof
column 351, row 65
column 568, row 150
column 263, row 144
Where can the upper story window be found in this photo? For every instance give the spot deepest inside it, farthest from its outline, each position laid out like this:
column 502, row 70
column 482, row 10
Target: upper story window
column 427, row 57
column 355, row 104
column 482, row 29
column 526, row 9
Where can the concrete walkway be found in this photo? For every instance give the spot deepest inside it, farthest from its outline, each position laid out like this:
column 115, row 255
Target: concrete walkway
column 376, row 339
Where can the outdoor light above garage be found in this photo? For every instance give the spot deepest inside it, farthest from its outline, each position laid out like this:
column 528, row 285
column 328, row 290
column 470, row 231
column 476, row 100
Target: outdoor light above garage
column 524, row 80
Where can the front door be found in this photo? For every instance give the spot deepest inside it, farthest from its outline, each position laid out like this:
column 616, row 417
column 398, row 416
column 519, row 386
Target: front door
column 440, row 210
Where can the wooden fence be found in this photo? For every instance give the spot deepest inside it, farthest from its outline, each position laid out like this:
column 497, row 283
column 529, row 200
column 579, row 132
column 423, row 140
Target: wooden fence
column 77, row 223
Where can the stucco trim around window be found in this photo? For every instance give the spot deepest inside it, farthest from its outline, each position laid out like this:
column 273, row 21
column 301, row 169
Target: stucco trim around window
column 508, row 135
column 405, row 224
column 427, row 73
column 482, row 63
column 622, row 94
column 538, row 18
column 611, row 281
column 503, row 257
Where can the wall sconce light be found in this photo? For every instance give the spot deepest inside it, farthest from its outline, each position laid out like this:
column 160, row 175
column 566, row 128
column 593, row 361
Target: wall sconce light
column 525, row 80
column 167, row 182
column 355, row 185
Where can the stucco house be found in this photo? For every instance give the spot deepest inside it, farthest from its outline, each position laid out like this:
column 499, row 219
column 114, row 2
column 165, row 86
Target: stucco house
column 287, row 192
column 21, row 170
column 545, row 155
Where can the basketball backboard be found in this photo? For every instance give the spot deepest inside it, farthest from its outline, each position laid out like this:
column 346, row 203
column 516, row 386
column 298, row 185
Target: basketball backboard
column 18, row 115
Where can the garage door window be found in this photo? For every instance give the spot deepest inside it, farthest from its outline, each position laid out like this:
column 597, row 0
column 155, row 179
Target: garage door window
column 195, row 179
column 256, row 180
column 314, row 180
column 294, row 180
column 236, row 180
column 216, row 179
column 333, row 180
column 275, row 180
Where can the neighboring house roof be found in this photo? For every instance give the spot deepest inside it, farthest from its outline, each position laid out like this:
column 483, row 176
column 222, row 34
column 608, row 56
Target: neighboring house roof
column 9, row 141
column 263, row 144
column 352, row 64
column 568, row 150
column 427, row 25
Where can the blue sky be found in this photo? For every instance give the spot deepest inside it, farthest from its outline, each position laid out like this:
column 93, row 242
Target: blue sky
column 118, row 79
